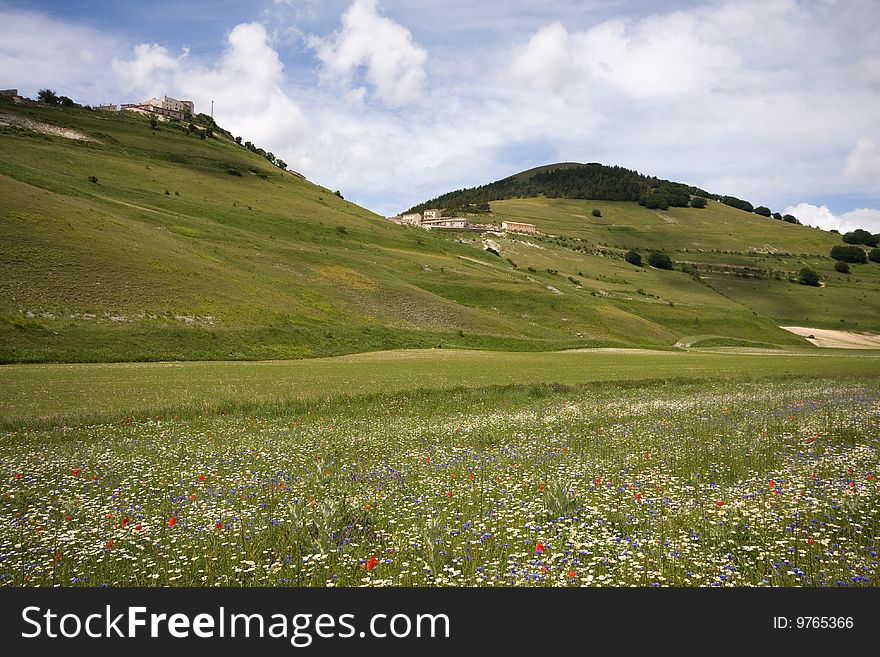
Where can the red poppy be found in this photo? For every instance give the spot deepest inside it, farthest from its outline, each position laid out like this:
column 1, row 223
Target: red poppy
column 598, row 480
column 544, row 569
column 281, row 485
column 638, row 497
column 311, row 501
column 539, row 548
column 370, row 563
column 870, row 476
column 572, row 573
column 811, row 540
column 719, row 503
column 137, row 528
column 811, row 439
column 427, row 459
column 18, row 475
column 201, row 477
column 541, row 487
column 645, row 455
column 192, row 498
column 471, row 475
column 94, row 477
column 498, row 479
column 172, row 521
column 68, row 518
column 449, row 493
column 772, row 484
column 110, row 543
column 125, row 521
column 76, row 472
column 851, row 470
column 219, row 525
column 456, row 430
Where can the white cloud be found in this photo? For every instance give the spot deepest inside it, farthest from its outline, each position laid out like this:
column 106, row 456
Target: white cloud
column 812, row 215
column 863, row 162
column 37, row 51
column 394, row 65
column 246, row 85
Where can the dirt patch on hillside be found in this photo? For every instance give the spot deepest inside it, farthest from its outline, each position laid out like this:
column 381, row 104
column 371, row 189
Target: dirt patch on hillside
column 668, row 218
column 832, row 339
column 45, row 128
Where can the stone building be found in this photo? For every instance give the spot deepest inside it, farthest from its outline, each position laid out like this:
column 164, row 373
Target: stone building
column 518, row 227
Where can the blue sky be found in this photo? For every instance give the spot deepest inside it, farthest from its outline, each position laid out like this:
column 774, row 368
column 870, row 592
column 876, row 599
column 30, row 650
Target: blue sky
column 394, row 102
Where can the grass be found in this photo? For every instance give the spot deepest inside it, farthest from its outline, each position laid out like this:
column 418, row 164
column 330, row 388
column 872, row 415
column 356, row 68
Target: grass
column 71, row 394
column 683, row 483
column 269, row 266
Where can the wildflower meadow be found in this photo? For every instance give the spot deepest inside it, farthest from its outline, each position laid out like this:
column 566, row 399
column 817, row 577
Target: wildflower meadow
column 767, row 483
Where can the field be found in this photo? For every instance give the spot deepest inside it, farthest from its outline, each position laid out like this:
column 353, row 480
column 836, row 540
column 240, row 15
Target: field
column 648, row 469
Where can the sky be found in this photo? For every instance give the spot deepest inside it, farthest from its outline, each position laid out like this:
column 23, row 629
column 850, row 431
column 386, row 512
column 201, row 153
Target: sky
column 394, row 102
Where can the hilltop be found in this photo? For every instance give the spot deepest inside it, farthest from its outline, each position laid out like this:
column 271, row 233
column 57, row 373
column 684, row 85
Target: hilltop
column 142, row 242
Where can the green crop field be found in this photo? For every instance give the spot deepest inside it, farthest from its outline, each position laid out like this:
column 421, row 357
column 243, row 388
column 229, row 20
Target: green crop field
column 51, row 395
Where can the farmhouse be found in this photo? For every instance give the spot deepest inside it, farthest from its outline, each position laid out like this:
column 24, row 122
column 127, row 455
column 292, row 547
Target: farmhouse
column 433, row 213
column 518, row 227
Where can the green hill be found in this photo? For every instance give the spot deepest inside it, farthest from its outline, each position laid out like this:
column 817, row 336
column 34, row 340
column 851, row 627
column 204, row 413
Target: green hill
column 156, row 244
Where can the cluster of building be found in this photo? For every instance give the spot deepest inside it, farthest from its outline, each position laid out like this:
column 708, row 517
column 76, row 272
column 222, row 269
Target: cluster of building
column 433, row 218
column 181, row 110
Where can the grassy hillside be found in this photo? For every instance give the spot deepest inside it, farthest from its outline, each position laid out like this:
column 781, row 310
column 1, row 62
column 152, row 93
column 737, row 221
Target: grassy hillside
column 169, row 256
column 747, row 259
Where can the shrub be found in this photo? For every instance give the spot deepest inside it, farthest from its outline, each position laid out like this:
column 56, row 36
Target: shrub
column 808, row 277
column 633, row 257
column 854, row 254
column 874, row 255
column 93, row 179
column 860, row 236
column 790, row 218
column 841, row 266
column 233, row 172
column 597, row 213
column 763, row 210
column 341, row 230
column 698, row 202
column 659, row 260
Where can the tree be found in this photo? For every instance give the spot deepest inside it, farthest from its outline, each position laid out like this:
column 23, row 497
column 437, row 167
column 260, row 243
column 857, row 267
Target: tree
column 659, row 260
column 64, row 101
column 790, row 218
column 859, row 236
column 763, row 210
column 841, row 266
column 698, row 202
column 596, row 213
column 633, row 257
column 154, row 122
column 808, row 277
column 48, row 96
column 874, row 255
column 338, row 193
column 238, row 140
column 735, row 202
column 777, row 216
column 281, row 163
column 854, row 254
